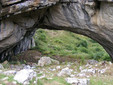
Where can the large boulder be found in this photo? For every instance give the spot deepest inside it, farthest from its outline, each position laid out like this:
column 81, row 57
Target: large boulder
column 19, row 20
column 24, row 76
column 47, row 61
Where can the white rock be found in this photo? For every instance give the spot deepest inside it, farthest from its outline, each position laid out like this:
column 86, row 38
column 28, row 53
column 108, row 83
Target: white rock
column 65, row 71
column 55, row 62
column 110, row 63
column 41, row 77
column 44, row 61
column 52, row 69
column 72, row 75
column 1, row 66
column 58, row 67
column 14, row 82
column 49, row 78
column 9, row 72
column 81, row 75
column 68, row 65
column 6, row 78
column 1, row 71
column 76, row 81
column 88, row 71
column 27, row 67
column 80, row 68
column 47, row 61
column 23, row 76
column 92, row 62
column 102, row 71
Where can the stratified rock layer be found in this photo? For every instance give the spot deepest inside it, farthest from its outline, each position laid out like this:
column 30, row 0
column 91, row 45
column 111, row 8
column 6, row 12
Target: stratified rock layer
column 19, row 20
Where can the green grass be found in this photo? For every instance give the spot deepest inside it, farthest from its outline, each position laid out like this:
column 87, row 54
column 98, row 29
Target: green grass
column 63, row 43
column 101, row 80
column 10, row 78
column 55, row 81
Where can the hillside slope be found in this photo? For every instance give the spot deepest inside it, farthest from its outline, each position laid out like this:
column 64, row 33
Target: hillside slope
column 63, row 43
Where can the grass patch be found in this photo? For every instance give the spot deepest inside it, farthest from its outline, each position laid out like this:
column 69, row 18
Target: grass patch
column 63, row 43
column 54, row 81
column 102, row 80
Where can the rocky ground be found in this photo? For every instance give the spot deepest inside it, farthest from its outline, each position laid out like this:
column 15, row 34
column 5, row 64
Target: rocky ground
column 49, row 71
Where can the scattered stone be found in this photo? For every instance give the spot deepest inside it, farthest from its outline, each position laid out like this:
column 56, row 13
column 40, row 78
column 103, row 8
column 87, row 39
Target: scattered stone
column 76, row 81
column 89, row 71
column 103, row 63
column 72, row 75
column 102, row 71
column 110, row 63
column 49, row 78
column 55, row 62
column 80, row 68
column 9, row 72
column 41, row 77
column 65, row 71
column 92, row 62
column 6, row 78
column 24, row 76
column 1, row 66
column 5, row 62
column 1, row 71
column 81, row 75
column 58, row 67
column 47, row 61
column 52, row 69
column 27, row 67
column 14, row 82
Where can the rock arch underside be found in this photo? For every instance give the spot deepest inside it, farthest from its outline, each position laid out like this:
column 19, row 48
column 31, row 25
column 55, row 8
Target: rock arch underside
column 19, row 20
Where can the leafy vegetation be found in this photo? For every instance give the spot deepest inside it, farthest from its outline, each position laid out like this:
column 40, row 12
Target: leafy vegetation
column 63, row 43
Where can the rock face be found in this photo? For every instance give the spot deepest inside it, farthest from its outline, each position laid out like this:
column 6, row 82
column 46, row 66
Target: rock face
column 20, row 18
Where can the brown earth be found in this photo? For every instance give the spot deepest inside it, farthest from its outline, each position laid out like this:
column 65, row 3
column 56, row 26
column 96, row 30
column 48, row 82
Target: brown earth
column 33, row 56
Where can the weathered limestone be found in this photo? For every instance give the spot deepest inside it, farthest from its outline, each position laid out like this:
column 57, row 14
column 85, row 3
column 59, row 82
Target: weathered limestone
column 20, row 18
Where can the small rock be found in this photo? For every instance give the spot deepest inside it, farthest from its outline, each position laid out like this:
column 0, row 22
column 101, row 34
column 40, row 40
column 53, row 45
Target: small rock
column 1, row 66
column 14, row 82
column 110, row 63
column 5, row 62
column 80, row 68
column 65, row 71
column 76, row 81
column 27, row 67
column 92, row 62
column 41, row 77
column 6, row 78
column 52, row 69
column 72, row 75
column 49, row 78
column 81, row 75
column 9, row 72
column 102, row 71
column 89, row 71
column 1, row 71
column 55, row 62
column 58, row 67
column 24, row 76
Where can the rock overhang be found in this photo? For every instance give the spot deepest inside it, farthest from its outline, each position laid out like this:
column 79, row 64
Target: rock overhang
column 78, row 20
column 13, row 7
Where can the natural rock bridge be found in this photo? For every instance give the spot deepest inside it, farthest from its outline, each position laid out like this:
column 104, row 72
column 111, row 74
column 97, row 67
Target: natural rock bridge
column 19, row 20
